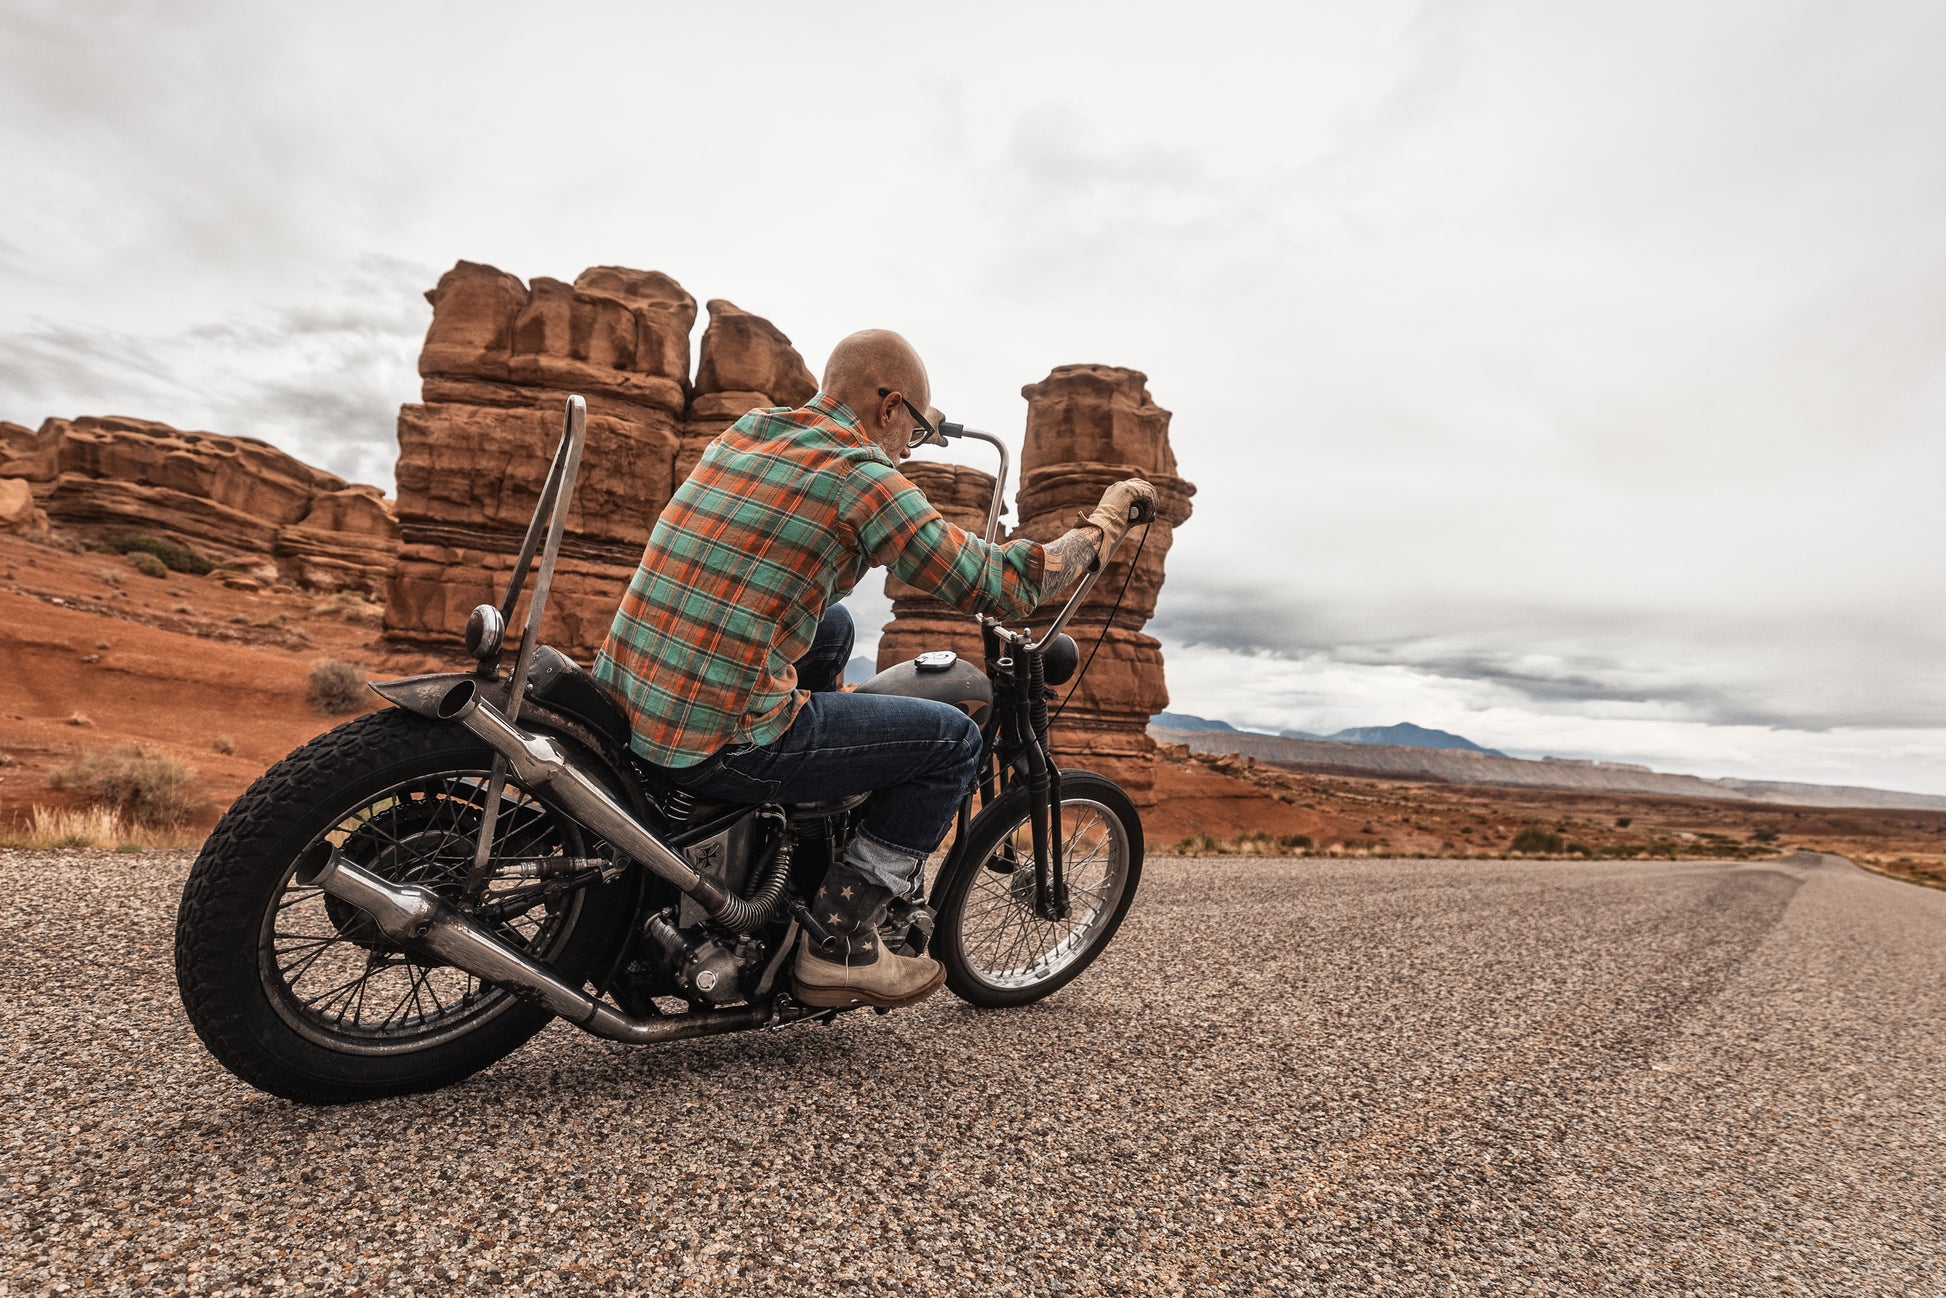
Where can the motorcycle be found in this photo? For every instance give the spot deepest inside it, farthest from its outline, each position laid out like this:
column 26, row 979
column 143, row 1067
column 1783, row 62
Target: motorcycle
column 408, row 898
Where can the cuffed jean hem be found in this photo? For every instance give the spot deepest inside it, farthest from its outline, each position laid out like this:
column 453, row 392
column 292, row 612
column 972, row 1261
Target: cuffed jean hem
column 881, row 863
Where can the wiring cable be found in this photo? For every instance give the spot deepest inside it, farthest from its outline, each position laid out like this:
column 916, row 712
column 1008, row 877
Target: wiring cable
column 1110, row 621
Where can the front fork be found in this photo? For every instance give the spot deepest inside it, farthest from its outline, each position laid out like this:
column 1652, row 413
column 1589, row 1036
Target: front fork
column 1024, row 732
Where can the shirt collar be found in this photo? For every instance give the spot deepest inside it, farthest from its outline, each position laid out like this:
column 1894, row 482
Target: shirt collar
column 829, row 407
column 833, row 409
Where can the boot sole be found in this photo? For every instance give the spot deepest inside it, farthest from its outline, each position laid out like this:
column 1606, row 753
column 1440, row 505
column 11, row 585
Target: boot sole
column 838, row 998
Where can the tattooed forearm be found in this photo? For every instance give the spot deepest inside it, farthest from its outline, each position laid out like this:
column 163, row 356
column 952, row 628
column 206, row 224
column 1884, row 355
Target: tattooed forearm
column 1068, row 558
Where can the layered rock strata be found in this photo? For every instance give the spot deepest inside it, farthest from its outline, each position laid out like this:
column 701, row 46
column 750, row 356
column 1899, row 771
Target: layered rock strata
column 1087, row 427
column 498, row 361
column 236, row 501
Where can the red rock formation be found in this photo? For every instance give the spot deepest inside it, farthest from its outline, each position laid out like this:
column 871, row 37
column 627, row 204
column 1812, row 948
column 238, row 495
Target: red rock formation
column 919, row 622
column 498, row 361
column 1089, row 426
column 235, row 500
column 746, row 363
column 18, row 512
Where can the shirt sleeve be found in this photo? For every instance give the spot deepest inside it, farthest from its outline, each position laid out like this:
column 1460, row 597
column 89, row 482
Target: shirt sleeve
column 897, row 527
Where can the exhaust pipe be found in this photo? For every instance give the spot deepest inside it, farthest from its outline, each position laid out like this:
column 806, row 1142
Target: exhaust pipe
column 540, row 765
column 416, row 916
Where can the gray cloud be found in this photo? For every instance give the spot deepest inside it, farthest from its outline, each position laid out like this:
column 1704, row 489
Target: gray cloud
column 322, row 379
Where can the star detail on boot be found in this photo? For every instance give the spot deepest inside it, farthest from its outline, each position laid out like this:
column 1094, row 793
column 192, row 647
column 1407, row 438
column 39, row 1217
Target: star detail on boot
column 834, row 918
column 845, row 892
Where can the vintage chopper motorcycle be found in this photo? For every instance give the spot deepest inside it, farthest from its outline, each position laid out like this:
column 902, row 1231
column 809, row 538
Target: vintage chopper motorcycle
column 406, row 899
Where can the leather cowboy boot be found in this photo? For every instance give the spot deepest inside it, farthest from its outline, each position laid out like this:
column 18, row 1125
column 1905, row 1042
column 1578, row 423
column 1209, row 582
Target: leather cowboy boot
column 851, row 967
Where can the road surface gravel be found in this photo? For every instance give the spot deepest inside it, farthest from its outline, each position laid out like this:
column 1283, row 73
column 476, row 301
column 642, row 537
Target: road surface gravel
column 1285, row 1077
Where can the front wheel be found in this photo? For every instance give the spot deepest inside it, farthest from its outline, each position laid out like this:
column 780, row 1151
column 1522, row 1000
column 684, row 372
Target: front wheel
column 996, row 948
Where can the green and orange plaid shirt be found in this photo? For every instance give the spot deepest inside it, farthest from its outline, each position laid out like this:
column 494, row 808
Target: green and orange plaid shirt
column 786, row 511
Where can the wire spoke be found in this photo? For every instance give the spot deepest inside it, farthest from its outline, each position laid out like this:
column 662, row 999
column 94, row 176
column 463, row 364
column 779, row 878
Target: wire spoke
column 1002, row 933
column 419, row 832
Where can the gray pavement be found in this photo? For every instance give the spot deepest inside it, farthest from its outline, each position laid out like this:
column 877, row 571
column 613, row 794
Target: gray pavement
column 1358, row 1077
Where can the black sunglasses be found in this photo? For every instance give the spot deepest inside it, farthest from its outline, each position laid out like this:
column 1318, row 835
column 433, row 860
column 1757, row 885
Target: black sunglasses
column 925, row 429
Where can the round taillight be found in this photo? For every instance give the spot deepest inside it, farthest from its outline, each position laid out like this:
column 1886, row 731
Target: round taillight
column 484, row 628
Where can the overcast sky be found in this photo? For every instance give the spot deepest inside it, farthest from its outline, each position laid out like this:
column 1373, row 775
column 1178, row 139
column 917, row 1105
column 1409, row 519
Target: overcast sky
column 1570, row 376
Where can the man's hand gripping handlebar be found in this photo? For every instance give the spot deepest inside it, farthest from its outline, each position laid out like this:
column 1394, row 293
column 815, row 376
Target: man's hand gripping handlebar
column 1123, row 505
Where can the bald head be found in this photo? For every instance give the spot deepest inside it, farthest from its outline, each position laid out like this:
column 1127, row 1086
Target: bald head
column 872, row 360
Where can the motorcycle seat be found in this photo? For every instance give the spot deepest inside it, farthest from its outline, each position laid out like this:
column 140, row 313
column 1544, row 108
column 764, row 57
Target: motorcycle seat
column 556, row 681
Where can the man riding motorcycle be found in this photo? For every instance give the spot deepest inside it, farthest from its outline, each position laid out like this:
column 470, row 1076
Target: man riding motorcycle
column 728, row 646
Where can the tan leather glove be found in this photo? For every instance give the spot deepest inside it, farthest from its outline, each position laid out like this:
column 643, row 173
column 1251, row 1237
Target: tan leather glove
column 1110, row 517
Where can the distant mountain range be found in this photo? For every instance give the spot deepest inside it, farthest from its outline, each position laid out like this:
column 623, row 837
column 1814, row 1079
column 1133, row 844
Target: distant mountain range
column 1402, row 735
column 1472, row 764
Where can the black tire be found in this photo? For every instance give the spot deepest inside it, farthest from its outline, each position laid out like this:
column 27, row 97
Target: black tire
column 412, row 780
column 989, row 888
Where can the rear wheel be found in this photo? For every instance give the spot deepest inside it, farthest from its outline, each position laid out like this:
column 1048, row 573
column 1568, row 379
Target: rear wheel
column 298, row 993
column 996, row 948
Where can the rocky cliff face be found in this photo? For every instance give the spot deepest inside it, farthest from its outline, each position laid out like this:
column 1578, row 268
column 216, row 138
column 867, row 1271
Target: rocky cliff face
column 234, row 500
column 497, row 364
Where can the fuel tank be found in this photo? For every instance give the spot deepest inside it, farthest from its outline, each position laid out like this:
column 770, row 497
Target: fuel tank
column 944, row 676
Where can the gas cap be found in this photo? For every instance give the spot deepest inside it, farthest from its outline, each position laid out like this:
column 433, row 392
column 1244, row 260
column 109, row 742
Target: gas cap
column 936, row 661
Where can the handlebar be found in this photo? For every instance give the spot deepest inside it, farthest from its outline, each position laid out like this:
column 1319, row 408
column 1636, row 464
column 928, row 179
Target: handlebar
column 1139, row 513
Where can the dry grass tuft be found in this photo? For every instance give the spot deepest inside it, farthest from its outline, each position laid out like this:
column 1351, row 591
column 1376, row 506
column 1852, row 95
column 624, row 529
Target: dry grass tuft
column 142, row 787
column 51, row 828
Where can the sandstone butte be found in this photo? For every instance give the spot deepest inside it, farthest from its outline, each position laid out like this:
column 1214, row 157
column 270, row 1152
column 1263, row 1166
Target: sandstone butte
column 265, row 516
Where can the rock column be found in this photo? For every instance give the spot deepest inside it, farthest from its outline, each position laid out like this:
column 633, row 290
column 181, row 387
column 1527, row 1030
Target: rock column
column 498, row 362
column 1089, row 426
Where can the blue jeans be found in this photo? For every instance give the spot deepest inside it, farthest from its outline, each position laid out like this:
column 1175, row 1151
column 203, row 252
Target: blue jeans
column 916, row 756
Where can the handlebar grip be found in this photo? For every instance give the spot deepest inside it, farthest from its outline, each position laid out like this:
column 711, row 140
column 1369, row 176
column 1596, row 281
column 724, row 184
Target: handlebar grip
column 1142, row 511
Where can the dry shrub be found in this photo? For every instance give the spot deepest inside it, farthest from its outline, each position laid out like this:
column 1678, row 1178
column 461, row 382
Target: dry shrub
column 142, row 787
column 176, row 558
column 147, row 564
column 1538, row 839
column 223, row 744
column 336, row 688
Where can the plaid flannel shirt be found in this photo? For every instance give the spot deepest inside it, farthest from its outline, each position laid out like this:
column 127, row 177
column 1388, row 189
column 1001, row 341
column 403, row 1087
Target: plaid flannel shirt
column 786, row 511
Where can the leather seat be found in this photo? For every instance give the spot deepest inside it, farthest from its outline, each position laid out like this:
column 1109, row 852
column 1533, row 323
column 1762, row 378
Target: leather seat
column 558, row 682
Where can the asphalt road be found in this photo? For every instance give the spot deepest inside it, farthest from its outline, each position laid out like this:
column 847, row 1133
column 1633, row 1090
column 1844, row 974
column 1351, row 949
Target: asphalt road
column 1364, row 1077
